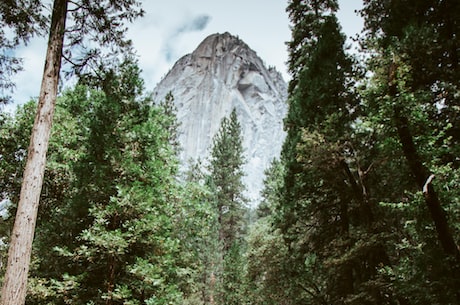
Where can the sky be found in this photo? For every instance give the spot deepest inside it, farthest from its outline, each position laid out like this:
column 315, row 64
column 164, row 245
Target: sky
column 173, row 28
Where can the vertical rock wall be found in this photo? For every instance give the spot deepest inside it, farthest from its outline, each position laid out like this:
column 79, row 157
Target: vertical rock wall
column 221, row 74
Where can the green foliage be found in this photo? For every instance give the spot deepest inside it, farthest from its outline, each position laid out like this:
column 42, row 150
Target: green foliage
column 95, row 34
column 14, row 135
column 196, row 226
column 172, row 125
column 321, row 98
column 268, row 266
column 271, row 193
column 342, row 219
column 226, row 172
column 107, row 214
column 306, row 18
column 421, row 90
column 327, row 212
column 114, row 224
column 233, row 279
column 19, row 21
column 225, row 182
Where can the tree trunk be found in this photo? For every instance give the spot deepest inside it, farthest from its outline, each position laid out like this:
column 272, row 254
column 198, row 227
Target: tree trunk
column 423, row 179
column 110, row 279
column 15, row 283
column 360, row 194
column 422, row 175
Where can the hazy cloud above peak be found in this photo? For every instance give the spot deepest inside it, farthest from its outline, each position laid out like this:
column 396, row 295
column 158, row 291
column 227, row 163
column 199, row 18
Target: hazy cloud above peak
column 194, row 24
column 197, row 23
column 173, row 28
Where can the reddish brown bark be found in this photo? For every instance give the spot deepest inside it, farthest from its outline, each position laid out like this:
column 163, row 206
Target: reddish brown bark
column 15, row 284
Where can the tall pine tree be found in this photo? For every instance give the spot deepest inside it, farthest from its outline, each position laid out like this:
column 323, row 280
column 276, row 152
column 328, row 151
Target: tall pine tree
column 226, row 173
column 225, row 180
column 416, row 97
column 111, row 235
column 325, row 213
column 92, row 23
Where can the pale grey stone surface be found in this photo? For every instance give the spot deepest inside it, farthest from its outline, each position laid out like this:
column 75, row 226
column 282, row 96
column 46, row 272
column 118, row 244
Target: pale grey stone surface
column 221, row 74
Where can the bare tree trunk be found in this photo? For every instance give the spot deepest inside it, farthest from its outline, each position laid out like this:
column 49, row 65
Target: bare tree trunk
column 15, row 284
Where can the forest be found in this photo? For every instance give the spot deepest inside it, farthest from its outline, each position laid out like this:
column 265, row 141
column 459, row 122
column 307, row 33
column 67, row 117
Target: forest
column 361, row 207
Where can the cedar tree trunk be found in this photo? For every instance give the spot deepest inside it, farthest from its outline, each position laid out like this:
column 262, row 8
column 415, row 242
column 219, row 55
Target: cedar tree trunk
column 15, row 284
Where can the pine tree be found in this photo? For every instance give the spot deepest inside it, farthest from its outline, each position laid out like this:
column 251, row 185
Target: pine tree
column 325, row 212
column 111, row 233
column 170, row 111
column 415, row 96
column 197, row 227
column 225, row 180
column 226, row 174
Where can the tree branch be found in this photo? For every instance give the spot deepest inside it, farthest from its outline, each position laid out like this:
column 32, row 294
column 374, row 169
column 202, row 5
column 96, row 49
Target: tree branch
column 427, row 184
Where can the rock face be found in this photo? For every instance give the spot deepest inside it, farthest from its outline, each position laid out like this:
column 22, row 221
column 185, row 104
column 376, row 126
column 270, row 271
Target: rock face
column 221, row 74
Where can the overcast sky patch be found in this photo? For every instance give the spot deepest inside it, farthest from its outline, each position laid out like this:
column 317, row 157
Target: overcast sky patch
column 194, row 24
column 198, row 23
column 174, row 28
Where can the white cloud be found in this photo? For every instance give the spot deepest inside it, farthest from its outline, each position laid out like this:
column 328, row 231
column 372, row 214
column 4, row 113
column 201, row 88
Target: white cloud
column 194, row 24
column 158, row 37
column 174, row 28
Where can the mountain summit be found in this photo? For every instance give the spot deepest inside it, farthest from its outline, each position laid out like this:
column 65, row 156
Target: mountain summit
column 221, row 74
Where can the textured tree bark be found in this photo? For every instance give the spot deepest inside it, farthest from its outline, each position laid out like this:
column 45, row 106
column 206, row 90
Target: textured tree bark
column 15, row 284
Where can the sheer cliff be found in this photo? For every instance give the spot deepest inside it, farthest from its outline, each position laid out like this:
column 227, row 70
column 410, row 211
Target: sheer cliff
column 221, row 74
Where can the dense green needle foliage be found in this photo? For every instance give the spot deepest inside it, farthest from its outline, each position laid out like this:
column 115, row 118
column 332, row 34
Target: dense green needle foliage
column 107, row 231
column 362, row 207
column 93, row 30
column 112, row 230
column 225, row 182
column 354, row 213
column 226, row 173
column 414, row 92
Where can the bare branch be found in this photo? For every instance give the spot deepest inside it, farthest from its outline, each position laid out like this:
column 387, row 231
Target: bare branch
column 427, row 184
